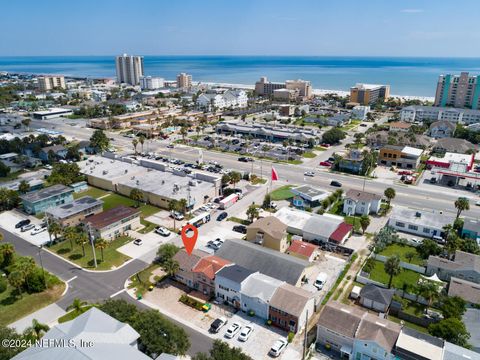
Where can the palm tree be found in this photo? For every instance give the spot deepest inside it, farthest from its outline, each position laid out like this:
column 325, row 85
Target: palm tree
column 429, row 291
column 364, row 222
column 70, row 234
column 55, row 229
column 389, row 194
column 26, row 122
column 135, row 143
column 173, row 206
column 235, row 177
column 16, row 280
column 7, row 250
column 453, row 242
column 1, row 237
column 25, row 265
column 141, row 140
column 77, row 305
column 101, row 244
column 23, row 187
column 182, row 204
column 82, row 239
column 37, row 330
column 253, row 212
column 461, row 204
column 170, row 267
column 183, row 132
column 136, row 195
column 392, row 268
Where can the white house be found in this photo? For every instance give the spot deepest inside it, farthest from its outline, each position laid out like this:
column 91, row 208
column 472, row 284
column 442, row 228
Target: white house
column 361, row 202
column 360, row 112
column 256, row 293
column 228, row 284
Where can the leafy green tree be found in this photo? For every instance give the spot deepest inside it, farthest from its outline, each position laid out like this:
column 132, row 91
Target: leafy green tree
column 4, row 170
column 170, row 266
column 16, row 280
column 428, row 247
column 158, row 335
column 9, row 199
column 333, row 136
column 410, row 255
column 470, row 246
column 225, row 179
column 25, row 265
column 389, row 194
column 461, row 204
column 383, row 238
column 253, row 212
column 166, row 252
column 8, row 352
column 235, row 177
column 364, row 222
column 267, row 201
column 73, row 153
column 452, row 330
column 136, row 195
column 101, row 244
column 429, row 290
column 77, row 305
column 99, row 141
column 392, row 268
column 182, row 204
column 8, row 254
column 453, row 307
column 221, row 350
column 120, row 310
column 23, row 187
column 65, row 174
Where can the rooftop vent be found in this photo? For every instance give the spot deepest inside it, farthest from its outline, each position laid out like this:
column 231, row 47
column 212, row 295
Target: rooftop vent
column 418, row 214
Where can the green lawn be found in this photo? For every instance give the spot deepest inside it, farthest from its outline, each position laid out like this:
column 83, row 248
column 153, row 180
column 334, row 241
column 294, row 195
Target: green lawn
column 282, row 193
column 73, row 314
column 308, row 155
column 238, row 220
column 148, row 226
column 401, row 251
column 141, row 280
column 355, row 221
column 11, row 176
column 337, row 208
column 13, row 308
column 408, row 324
column 112, row 258
column 406, row 276
column 93, row 192
column 114, row 200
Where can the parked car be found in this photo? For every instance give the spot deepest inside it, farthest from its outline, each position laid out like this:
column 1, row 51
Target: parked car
column 217, row 324
column 170, row 146
column 240, row 229
column 27, row 227
column 278, row 347
column 38, row 229
column 138, row 242
column 243, row 159
column 477, row 203
column 363, row 125
column 162, row 230
column 320, row 281
column 325, row 163
column 245, row 333
column 214, row 244
column 309, row 173
column 22, row 223
column 177, row 215
column 232, row 330
column 335, row 183
column 325, row 145
column 223, row 215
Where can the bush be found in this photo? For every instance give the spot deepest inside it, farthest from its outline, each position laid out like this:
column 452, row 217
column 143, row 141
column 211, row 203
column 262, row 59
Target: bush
column 187, row 300
column 35, row 281
column 290, row 337
column 3, row 284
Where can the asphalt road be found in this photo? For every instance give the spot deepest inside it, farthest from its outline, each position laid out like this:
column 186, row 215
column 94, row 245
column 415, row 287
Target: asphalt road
column 96, row 287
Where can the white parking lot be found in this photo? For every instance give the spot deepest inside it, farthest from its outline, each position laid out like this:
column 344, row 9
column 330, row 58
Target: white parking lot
column 9, row 219
column 150, row 241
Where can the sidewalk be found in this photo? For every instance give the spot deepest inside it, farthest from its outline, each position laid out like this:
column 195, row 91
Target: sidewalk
column 48, row 315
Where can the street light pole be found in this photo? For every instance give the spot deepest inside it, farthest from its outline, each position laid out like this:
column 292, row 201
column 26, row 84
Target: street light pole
column 41, row 264
column 90, row 236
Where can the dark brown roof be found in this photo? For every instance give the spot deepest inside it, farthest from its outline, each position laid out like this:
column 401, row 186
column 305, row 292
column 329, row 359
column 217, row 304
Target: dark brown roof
column 270, row 225
column 99, row 221
column 341, row 318
column 187, row 262
column 361, row 195
column 290, row 299
column 385, row 333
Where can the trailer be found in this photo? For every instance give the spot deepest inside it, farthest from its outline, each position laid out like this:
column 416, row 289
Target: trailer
column 228, row 201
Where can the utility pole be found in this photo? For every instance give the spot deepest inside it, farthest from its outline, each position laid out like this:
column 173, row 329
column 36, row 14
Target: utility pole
column 41, row 264
column 90, row 236
column 48, row 229
column 304, row 355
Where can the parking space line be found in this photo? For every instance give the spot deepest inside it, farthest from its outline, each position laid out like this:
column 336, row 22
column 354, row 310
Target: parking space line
column 73, row 278
column 117, row 293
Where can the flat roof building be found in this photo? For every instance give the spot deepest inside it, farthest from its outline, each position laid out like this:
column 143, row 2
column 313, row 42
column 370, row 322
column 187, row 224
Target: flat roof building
column 50, row 82
column 73, row 213
column 51, row 113
column 38, row 201
column 129, row 69
column 113, row 223
column 461, row 91
column 369, row 94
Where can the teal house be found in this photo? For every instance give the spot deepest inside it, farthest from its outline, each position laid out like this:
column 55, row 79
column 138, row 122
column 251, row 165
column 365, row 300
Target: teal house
column 471, row 229
column 38, row 201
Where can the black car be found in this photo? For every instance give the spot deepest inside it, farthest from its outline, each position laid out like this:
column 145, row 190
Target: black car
column 217, row 324
column 335, row 183
column 243, row 159
column 22, row 223
column 222, row 216
column 217, row 200
column 240, row 229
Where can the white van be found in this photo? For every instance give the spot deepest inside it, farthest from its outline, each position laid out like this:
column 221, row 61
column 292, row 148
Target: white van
column 320, row 281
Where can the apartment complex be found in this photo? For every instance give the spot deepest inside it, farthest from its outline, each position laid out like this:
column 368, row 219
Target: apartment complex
column 418, row 113
column 368, row 94
column 151, row 83
column 47, row 83
column 184, row 81
column 38, row 201
column 462, row 91
column 298, row 88
column 73, row 213
column 264, row 87
column 129, row 69
column 113, row 223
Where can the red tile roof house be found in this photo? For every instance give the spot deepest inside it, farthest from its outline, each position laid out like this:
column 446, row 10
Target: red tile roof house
column 204, row 273
column 186, row 263
column 341, row 233
column 303, row 250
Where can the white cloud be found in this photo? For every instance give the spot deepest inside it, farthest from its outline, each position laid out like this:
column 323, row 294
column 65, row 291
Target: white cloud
column 411, row 11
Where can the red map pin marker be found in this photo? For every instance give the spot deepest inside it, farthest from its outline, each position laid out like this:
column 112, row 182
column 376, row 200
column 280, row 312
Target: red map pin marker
column 189, row 240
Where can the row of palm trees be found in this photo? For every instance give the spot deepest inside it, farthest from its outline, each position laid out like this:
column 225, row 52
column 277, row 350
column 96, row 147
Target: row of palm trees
column 75, row 235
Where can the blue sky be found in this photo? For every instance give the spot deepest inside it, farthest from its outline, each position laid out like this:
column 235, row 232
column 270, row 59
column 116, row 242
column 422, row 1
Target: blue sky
column 241, row 27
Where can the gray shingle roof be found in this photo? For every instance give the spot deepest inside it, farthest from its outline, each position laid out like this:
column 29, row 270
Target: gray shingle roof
column 261, row 286
column 46, row 193
column 322, row 226
column 266, row 261
column 235, row 273
column 455, row 352
column 378, row 294
column 342, row 319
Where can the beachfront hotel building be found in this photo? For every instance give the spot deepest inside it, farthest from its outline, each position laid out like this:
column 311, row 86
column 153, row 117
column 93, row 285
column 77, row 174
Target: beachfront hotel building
column 184, row 81
column 151, row 83
column 419, row 113
column 47, row 83
column 263, row 87
column 303, row 88
column 368, row 94
column 129, row 69
column 460, row 91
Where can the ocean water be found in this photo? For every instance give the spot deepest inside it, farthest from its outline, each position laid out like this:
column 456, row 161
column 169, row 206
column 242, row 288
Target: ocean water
column 407, row 76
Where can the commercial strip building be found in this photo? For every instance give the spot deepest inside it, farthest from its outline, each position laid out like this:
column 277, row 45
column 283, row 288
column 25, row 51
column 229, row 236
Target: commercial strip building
column 111, row 338
column 453, row 161
column 461, row 91
column 51, row 113
column 454, row 169
column 420, row 222
column 357, row 334
column 368, row 94
column 39, row 201
column 158, row 183
column 129, row 69
column 51, row 82
column 308, row 196
column 404, row 157
column 267, row 132
column 420, row 113
column 112, row 223
column 73, row 213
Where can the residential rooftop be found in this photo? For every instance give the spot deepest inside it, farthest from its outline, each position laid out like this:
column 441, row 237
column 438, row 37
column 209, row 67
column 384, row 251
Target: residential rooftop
column 310, row 193
column 46, row 193
column 75, row 207
column 290, row 299
column 424, row 218
column 235, row 273
column 111, row 216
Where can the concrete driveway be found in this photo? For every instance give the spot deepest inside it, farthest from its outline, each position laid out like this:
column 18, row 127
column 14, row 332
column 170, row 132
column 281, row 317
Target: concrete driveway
column 150, row 241
column 9, row 219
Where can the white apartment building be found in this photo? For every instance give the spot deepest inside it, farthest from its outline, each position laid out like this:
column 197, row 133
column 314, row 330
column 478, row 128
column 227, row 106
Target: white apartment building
column 151, row 83
column 417, row 113
column 129, row 69
column 47, row 83
column 99, row 96
column 229, row 99
column 184, row 81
